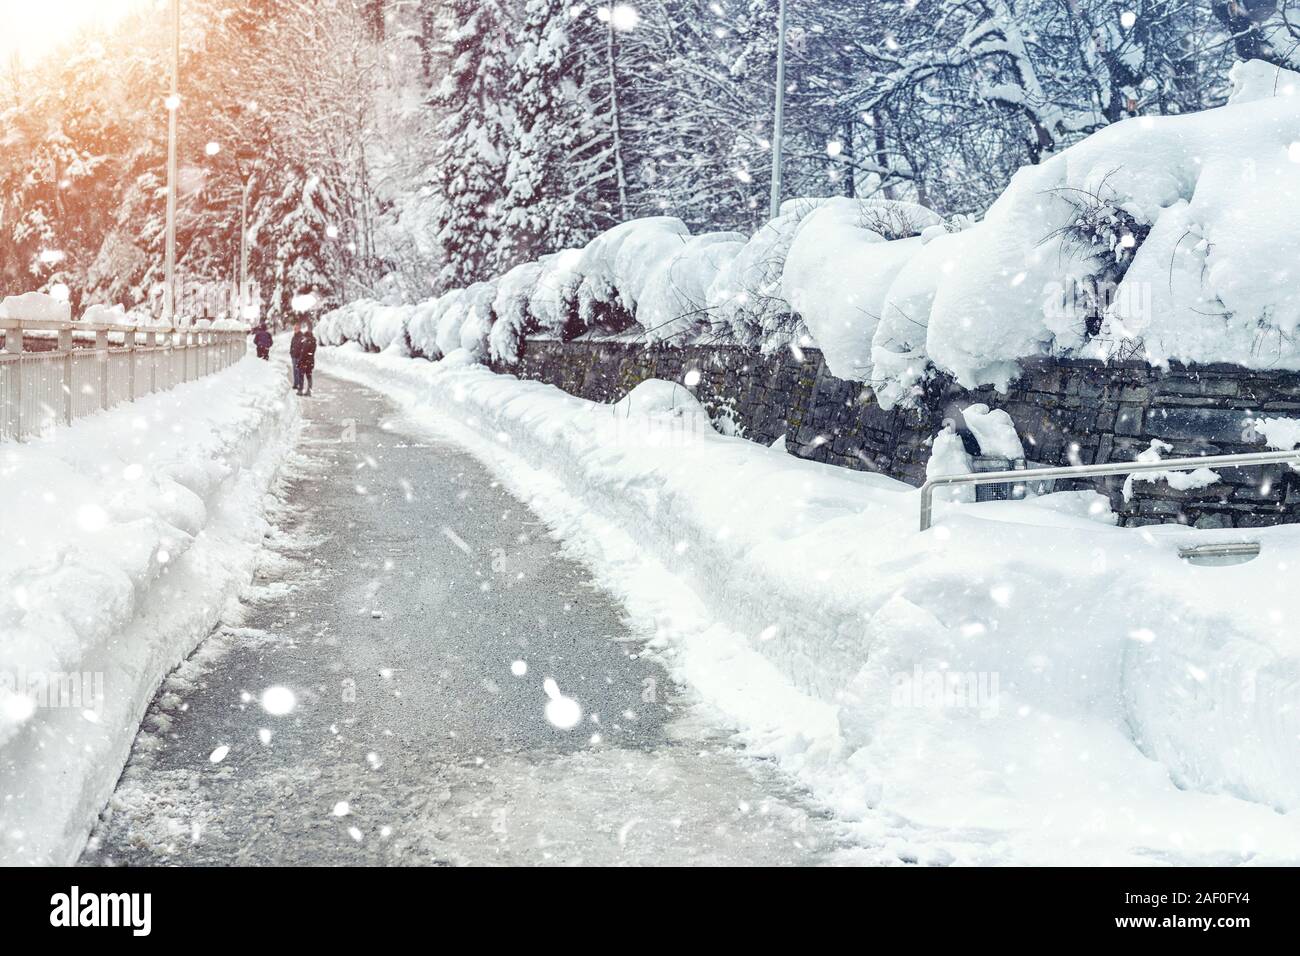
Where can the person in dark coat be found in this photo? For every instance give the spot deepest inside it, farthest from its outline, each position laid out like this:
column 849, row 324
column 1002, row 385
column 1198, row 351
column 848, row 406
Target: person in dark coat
column 302, row 352
column 262, row 341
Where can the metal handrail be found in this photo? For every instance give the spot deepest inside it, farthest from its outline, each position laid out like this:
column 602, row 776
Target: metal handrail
column 1244, row 460
column 43, row 387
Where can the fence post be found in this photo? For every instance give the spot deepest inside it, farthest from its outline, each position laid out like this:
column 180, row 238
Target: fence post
column 155, row 341
column 101, row 358
column 14, row 400
column 65, row 346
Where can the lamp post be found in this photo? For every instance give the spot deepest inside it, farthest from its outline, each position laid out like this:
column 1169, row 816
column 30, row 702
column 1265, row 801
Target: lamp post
column 173, row 107
column 246, row 172
column 778, row 126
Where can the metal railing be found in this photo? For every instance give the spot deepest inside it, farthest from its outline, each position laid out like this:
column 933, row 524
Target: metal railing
column 52, row 372
column 1108, row 468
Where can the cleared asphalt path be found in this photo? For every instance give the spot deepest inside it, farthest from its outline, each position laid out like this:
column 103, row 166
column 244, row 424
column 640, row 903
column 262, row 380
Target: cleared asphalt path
column 380, row 696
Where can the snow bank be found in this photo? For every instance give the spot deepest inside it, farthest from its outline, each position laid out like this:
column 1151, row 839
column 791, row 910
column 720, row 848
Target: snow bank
column 1025, row 682
column 124, row 537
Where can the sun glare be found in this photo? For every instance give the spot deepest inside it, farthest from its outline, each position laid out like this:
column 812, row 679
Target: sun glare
column 31, row 29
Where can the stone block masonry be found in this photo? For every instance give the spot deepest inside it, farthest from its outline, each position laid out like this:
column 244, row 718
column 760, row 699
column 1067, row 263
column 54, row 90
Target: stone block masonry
column 1065, row 411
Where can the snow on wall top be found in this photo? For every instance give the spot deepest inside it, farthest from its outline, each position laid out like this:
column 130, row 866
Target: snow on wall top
column 1161, row 238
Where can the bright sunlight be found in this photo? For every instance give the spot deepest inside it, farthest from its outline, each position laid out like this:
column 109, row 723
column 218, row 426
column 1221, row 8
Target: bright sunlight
column 29, row 28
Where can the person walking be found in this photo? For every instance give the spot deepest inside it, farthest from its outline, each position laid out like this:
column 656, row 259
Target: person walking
column 262, row 341
column 302, row 352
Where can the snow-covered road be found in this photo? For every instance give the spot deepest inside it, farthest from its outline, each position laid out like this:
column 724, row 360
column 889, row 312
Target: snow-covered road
column 382, row 698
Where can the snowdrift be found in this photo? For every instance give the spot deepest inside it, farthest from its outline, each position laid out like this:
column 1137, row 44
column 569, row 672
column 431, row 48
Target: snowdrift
column 123, row 540
column 1165, row 238
column 1025, row 682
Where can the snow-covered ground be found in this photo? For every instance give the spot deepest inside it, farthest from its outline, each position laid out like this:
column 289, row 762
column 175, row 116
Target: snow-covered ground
column 124, row 537
column 1023, row 683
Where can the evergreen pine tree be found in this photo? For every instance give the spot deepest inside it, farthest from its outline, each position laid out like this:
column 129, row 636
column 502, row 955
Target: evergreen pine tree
column 560, row 180
column 469, row 159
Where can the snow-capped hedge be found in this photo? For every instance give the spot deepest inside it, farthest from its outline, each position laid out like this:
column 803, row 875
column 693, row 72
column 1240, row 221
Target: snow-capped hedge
column 1165, row 238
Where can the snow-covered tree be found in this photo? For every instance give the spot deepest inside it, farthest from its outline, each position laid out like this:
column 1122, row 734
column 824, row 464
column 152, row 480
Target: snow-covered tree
column 561, row 175
column 467, row 168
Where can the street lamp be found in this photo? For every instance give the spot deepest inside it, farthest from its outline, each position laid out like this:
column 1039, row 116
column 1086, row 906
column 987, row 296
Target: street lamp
column 173, row 104
column 244, row 159
column 774, row 208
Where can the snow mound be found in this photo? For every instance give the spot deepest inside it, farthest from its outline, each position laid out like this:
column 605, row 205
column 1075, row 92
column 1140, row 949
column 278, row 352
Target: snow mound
column 1256, row 80
column 656, row 396
column 948, row 456
column 994, row 430
column 35, row 307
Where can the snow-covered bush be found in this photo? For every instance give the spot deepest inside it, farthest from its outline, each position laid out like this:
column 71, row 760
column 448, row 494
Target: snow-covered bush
column 419, row 331
column 616, row 265
column 554, row 300
column 446, row 320
column 387, row 326
column 839, row 269
column 899, row 363
column 675, row 298
column 747, row 305
column 1165, row 238
column 476, row 324
column 511, row 308
column 337, row 326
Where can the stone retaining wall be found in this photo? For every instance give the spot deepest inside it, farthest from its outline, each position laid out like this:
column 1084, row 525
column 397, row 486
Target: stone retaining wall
column 1080, row 412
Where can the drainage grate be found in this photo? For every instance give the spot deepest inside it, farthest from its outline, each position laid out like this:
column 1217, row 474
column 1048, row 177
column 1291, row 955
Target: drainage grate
column 1006, row 491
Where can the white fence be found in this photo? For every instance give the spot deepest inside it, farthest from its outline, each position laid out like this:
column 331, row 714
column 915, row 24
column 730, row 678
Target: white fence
column 52, row 373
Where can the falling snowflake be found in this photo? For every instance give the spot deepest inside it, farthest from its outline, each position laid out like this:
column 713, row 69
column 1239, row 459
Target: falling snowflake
column 563, row 712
